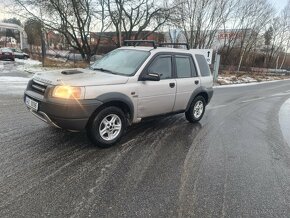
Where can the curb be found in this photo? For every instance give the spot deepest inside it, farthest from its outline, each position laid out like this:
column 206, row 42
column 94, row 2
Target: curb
column 29, row 71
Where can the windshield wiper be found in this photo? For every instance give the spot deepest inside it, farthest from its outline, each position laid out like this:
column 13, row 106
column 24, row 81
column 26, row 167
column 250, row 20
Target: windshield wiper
column 104, row 70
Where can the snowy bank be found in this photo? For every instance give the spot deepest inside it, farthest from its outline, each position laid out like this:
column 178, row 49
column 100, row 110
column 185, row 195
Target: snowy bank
column 246, row 78
column 247, row 84
column 28, row 62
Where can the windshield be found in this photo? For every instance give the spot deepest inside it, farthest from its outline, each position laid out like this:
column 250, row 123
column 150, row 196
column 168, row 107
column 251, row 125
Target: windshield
column 121, row 61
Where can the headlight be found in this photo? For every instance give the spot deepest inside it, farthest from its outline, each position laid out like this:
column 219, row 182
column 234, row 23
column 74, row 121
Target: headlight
column 68, row 92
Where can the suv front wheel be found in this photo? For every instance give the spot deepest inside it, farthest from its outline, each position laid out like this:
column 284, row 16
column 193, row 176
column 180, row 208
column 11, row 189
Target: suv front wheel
column 196, row 109
column 107, row 127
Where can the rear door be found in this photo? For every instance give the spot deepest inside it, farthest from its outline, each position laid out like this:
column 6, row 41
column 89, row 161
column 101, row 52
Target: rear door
column 187, row 80
column 157, row 97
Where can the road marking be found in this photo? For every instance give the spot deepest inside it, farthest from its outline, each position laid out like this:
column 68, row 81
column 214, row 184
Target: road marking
column 254, row 99
column 217, row 107
column 280, row 94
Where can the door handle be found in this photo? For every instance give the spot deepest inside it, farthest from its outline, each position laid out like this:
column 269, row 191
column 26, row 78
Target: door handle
column 172, row 85
column 196, row 82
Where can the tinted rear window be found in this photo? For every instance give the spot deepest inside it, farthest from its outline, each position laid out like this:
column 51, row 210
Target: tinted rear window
column 203, row 65
column 183, row 67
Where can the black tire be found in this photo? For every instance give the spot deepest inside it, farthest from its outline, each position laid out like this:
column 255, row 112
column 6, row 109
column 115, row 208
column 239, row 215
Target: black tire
column 96, row 124
column 190, row 115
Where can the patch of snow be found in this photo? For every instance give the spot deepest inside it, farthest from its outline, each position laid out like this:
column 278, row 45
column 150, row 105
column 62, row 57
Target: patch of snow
column 248, row 84
column 28, row 61
column 29, row 65
column 248, row 79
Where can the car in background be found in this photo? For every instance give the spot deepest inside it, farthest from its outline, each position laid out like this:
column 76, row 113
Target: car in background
column 6, row 54
column 19, row 54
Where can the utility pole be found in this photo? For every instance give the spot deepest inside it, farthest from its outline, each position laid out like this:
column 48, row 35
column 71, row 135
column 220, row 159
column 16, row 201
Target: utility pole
column 216, row 66
column 120, row 34
column 277, row 62
column 120, row 20
column 43, row 52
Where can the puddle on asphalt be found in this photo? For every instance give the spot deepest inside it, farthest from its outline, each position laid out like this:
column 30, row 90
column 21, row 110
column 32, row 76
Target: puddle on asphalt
column 284, row 120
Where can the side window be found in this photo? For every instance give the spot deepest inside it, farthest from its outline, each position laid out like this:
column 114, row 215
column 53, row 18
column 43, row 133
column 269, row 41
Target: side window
column 203, row 65
column 162, row 66
column 184, row 67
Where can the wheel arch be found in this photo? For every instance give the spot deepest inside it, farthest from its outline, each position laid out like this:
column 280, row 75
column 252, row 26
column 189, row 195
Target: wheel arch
column 118, row 100
column 199, row 92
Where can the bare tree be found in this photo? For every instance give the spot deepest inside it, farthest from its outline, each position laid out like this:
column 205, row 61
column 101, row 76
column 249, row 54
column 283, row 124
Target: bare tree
column 259, row 15
column 133, row 17
column 280, row 38
column 201, row 19
column 33, row 30
column 72, row 19
column 285, row 18
column 247, row 21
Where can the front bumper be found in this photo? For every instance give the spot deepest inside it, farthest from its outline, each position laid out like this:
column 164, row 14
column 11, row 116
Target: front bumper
column 65, row 114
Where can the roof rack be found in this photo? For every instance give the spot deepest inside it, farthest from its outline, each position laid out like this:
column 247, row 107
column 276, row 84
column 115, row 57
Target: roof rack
column 137, row 42
column 169, row 43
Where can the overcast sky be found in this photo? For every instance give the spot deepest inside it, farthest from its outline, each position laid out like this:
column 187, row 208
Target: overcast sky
column 279, row 5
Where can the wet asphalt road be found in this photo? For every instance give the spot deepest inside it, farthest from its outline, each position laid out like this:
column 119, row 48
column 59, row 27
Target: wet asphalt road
column 234, row 163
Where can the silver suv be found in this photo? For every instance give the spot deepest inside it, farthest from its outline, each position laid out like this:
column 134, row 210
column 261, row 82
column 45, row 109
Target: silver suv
column 122, row 88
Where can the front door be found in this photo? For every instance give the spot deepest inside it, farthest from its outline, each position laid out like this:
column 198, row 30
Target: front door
column 157, row 97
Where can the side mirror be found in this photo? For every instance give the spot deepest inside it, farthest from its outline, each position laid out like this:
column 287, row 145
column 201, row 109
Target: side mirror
column 150, row 77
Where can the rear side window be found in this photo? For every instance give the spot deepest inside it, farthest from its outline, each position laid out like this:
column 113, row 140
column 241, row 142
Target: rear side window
column 185, row 67
column 162, row 66
column 203, row 65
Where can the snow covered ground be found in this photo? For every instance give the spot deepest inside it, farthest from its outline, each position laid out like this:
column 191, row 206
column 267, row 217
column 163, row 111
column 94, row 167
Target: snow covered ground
column 28, row 62
column 12, row 80
column 28, row 65
column 31, row 66
column 248, row 78
column 231, row 85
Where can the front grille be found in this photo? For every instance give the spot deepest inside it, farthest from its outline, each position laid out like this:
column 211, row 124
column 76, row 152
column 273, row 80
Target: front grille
column 38, row 87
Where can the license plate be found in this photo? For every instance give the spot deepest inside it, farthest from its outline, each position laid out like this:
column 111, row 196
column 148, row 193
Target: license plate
column 31, row 103
column 6, row 54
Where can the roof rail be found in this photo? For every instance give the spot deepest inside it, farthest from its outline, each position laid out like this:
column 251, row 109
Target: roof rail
column 169, row 43
column 137, row 42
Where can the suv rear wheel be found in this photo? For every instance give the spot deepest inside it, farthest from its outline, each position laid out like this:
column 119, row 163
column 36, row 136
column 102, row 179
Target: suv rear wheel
column 196, row 109
column 107, row 127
